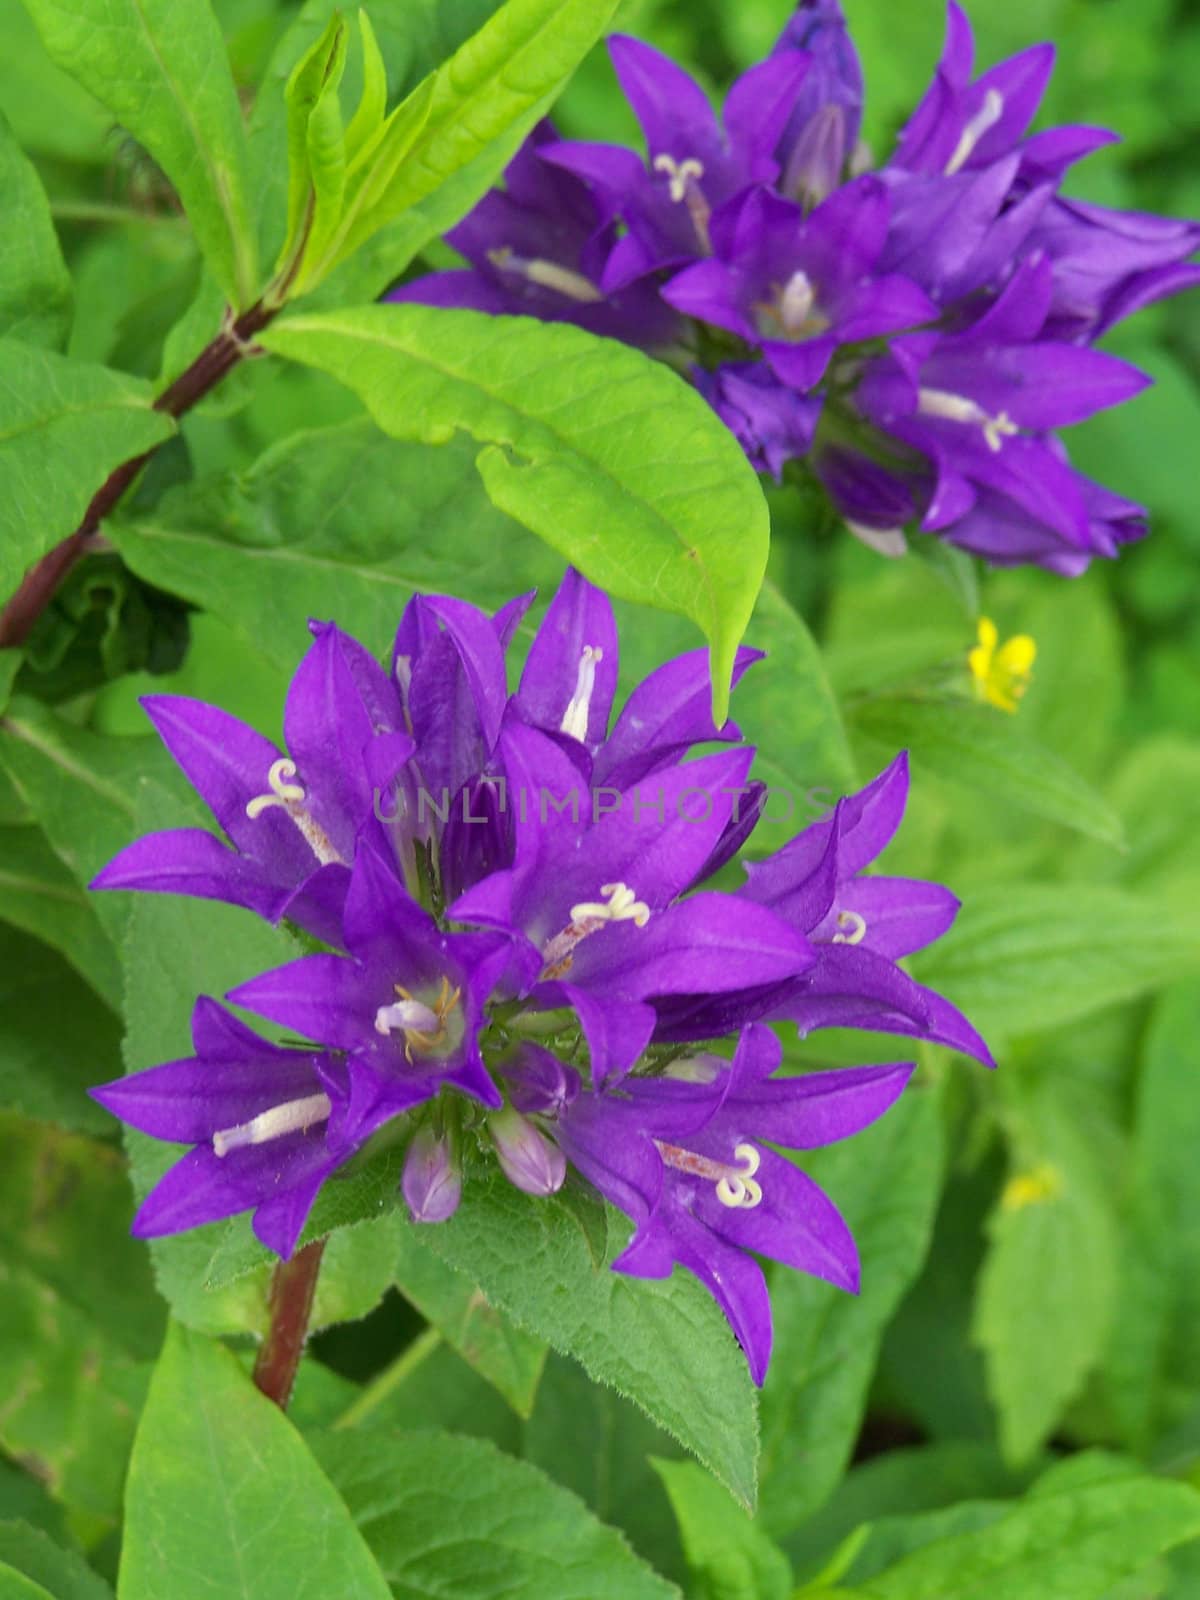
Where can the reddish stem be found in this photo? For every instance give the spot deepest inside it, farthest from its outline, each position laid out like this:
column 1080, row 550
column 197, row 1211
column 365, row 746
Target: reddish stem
column 293, row 1289
column 41, row 582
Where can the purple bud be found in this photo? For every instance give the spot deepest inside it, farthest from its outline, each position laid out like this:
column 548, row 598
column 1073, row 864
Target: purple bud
column 539, row 1082
column 432, row 1178
column 814, row 167
column 529, row 1160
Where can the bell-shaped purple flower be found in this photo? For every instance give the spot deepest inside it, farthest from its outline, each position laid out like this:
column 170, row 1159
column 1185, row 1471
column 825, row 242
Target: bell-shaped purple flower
column 268, row 1125
column 684, row 1156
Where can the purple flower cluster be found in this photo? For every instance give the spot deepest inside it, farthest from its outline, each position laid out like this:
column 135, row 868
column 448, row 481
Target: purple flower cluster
column 518, row 954
column 916, row 333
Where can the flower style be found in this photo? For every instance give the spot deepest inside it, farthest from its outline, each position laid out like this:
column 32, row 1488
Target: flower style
column 525, row 957
column 915, row 334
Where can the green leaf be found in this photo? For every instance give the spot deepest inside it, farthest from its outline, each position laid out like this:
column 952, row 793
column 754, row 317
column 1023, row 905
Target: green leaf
column 80, row 1315
column 312, row 95
column 56, row 1038
column 161, row 68
column 1050, row 1264
column 664, row 1345
column 591, row 1440
column 453, row 1516
column 35, row 286
column 490, row 92
column 507, row 1356
column 886, row 1182
column 15, row 1586
column 1024, row 957
column 64, row 426
column 601, row 451
column 786, row 707
column 64, row 1573
column 1066, row 1546
column 1152, row 1369
column 81, row 787
column 974, row 745
column 339, row 518
column 41, row 896
column 729, row 1555
column 224, row 1497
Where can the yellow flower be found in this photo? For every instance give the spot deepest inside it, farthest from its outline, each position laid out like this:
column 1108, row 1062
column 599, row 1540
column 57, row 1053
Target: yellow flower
column 1032, row 1188
column 1001, row 675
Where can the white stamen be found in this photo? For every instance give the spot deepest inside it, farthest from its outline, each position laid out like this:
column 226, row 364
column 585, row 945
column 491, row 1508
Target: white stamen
column 986, row 117
column 548, row 274
column 620, row 904
column 406, row 1016
column 291, row 796
column 294, row 1116
column 854, row 928
column 680, row 174
column 575, row 717
column 958, row 408
column 739, row 1189
column 282, row 792
column 796, row 302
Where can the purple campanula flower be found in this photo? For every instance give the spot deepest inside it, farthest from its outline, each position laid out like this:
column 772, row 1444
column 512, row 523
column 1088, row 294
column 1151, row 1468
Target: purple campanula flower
column 540, row 247
column 268, row 1125
column 818, row 306
column 526, row 976
column 683, row 1156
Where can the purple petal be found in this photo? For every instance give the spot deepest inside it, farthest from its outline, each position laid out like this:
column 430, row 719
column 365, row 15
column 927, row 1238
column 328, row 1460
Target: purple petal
column 817, row 1108
column 901, row 914
column 193, row 862
column 580, row 619
column 322, row 997
column 228, row 763
column 671, row 106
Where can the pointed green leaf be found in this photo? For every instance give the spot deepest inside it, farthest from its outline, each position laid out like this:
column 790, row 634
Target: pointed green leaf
column 601, row 451
column 224, row 1497
column 161, row 68
column 35, row 286
column 65, row 1574
column 1024, row 957
column 729, row 1555
column 372, row 107
column 39, row 894
column 316, row 148
column 46, row 1070
column 454, row 1517
column 664, row 1345
column 977, row 746
column 1073, row 1545
column 64, row 426
column 508, row 1357
column 1050, row 1264
column 886, row 1181
column 80, row 1315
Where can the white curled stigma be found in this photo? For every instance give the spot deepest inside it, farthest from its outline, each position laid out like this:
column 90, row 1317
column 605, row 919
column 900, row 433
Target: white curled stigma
column 679, row 174
column 957, row 408
column 294, row 1116
column 575, row 717
column 683, row 186
column 620, row 904
column 986, row 117
column 854, row 928
column 735, row 1186
column 290, row 797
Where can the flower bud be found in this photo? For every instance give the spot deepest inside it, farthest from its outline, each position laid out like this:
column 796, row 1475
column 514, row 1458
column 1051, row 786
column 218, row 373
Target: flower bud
column 432, row 1177
column 529, row 1160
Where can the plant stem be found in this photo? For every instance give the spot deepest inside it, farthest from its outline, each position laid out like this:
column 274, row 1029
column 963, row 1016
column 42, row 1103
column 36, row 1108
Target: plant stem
column 41, row 582
column 377, row 1391
column 293, row 1289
